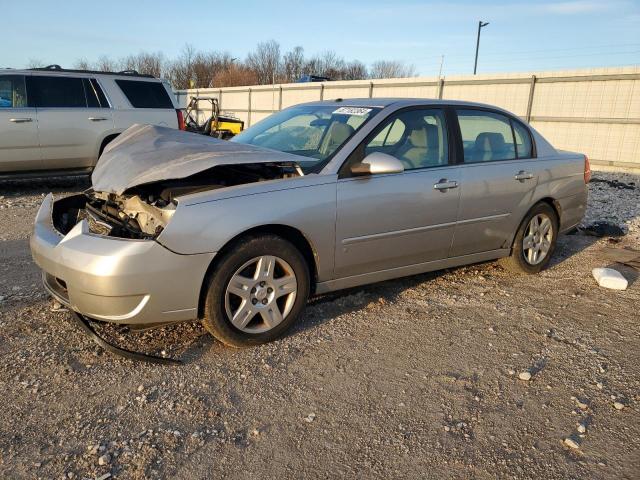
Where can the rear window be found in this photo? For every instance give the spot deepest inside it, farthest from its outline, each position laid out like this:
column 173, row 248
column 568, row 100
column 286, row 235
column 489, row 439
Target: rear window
column 60, row 92
column 143, row 94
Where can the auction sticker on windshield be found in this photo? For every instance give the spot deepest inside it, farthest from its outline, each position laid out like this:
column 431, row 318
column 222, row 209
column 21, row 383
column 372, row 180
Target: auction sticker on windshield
column 351, row 111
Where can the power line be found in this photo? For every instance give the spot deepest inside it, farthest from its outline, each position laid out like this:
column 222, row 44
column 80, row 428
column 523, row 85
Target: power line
column 519, row 52
column 546, row 57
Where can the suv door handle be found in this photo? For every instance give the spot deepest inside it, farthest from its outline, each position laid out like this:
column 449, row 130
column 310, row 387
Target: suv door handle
column 522, row 176
column 444, row 185
column 20, row 120
column 97, row 119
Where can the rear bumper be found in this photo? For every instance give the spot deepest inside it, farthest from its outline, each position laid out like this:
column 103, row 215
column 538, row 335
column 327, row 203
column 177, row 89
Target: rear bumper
column 116, row 280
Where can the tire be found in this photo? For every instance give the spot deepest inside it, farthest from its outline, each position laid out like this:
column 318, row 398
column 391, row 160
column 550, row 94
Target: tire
column 229, row 304
column 521, row 259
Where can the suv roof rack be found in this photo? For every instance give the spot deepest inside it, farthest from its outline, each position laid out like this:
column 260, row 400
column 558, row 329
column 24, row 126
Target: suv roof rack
column 58, row 68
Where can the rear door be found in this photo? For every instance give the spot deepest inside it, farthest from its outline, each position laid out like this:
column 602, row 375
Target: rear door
column 397, row 220
column 72, row 122
column 499, row 177
column 19, row 148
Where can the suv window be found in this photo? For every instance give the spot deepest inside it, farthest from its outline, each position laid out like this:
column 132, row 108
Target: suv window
column 12, row 91
column 45, row 92
column 143, row 94
column 95, row 95
column 486, row 136
column 418, row 138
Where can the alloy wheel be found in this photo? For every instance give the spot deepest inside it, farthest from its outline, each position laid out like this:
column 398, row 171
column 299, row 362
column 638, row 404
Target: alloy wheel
column 537, row 240
column 260, row 294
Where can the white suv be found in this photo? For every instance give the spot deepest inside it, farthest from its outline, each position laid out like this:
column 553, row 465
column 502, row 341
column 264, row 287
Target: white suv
column 57, row 120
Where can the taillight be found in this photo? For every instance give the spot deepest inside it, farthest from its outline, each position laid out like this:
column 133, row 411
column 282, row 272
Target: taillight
column 180, row 119
column 587, row 170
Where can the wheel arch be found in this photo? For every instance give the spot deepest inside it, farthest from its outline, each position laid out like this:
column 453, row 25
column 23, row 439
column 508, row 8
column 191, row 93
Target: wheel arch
column 552, row 202
column 108, row 138
column 287, row 232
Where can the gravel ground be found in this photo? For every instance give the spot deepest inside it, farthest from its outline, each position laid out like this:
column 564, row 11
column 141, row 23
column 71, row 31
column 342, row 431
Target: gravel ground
column 422, row 377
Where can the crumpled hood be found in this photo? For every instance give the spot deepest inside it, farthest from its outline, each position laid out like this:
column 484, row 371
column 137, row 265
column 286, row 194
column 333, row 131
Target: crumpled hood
column 150, row 153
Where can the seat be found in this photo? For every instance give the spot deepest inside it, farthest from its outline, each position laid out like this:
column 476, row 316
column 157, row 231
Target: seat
column 490, row 146
column 421, row 148
column 335, row 136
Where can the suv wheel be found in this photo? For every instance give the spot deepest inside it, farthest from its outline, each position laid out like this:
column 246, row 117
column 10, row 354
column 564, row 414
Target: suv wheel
column 257, row 292
column 535, row 241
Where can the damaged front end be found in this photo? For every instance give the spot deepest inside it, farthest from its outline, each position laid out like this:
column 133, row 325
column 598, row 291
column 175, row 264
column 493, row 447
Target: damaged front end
column 142, row 212
column 107, row 214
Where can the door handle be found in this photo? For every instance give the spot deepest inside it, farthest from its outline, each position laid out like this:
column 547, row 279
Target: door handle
column 444, row 185
column 522, row 176
column 20, row 120
column 97, row 119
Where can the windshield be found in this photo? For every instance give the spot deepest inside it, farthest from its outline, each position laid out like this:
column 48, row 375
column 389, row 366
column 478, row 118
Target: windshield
column 313, row 131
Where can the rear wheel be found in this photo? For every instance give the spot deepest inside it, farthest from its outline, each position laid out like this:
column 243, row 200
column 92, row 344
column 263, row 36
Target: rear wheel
column 257, row 292
column 535, row 241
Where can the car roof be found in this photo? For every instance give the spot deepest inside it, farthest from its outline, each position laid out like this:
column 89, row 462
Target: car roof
column 398, row 102
column 77, row 73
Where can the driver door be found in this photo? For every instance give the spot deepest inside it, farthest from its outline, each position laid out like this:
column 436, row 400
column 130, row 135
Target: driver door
column 397, row 220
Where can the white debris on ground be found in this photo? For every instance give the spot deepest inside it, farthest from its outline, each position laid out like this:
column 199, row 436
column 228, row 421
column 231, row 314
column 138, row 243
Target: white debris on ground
column 610, row 278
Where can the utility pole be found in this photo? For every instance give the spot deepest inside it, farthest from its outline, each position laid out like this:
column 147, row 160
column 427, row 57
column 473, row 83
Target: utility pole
column 441, row 62
column 480, row 25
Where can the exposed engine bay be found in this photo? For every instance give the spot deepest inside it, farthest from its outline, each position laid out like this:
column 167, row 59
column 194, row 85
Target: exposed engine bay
column 142, row 212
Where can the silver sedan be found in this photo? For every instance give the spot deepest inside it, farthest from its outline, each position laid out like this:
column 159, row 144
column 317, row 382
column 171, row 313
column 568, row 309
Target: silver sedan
column 315, row 198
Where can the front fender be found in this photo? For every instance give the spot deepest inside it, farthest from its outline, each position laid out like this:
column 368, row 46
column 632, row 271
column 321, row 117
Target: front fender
column 208, row 226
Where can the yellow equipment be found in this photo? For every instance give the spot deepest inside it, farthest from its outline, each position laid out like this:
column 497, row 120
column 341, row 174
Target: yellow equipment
column 218, row 126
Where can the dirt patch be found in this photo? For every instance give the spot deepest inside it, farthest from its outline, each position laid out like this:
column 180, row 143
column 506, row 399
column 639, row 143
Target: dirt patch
column 418, row 377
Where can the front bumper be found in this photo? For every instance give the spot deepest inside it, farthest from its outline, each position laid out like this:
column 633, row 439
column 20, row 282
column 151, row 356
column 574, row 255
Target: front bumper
column 116, row 280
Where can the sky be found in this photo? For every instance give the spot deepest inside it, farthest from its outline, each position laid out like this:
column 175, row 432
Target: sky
column 521, row 35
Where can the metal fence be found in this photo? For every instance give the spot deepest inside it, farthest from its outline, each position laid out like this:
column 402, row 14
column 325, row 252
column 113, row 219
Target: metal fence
column 593, row 111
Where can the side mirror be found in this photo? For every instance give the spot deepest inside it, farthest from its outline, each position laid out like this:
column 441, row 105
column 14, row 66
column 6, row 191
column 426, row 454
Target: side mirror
column 377, row 163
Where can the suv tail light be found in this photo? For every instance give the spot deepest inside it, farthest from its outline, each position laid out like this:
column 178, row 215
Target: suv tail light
column 587, row 170
column 180, row 119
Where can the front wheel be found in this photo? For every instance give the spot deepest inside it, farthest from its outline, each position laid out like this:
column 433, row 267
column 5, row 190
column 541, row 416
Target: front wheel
column 257, row 292
column 535, row 241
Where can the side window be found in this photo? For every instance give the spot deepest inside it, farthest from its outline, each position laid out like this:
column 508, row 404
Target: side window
column 143, row 94
column 486, row 136
column 418, row 138
column 46, row 92
column 12, row 91
column 95, row 95
column 523, row 140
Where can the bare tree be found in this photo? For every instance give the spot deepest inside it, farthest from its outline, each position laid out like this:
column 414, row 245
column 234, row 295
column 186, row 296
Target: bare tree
column 264, row 65
column 355, row 70
column 180, row 72
column 106, row 64
column 265, row 61
column 146, row 63
column 35, row 63
column 207, row 65
column 391, row 69
column 235, row 75
column 82, row 64
column 293, row 65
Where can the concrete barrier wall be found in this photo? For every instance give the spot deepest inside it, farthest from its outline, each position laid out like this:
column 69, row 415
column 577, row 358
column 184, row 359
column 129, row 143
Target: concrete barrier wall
column 595, row 111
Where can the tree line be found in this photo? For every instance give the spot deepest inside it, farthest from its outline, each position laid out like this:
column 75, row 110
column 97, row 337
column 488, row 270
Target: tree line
column 265, row 65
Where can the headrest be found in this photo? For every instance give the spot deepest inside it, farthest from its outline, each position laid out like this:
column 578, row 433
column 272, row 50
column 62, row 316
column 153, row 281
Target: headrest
column 335, row 136
column 425, row 136
column 490, row 142
column 339, row 132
